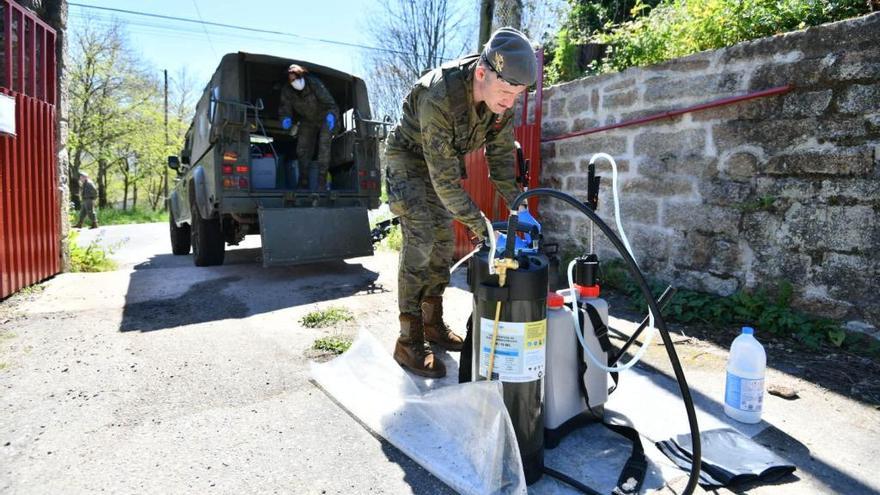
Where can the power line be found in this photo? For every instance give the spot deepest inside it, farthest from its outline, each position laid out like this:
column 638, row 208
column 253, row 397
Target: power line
column 241, row 28
column 204, row 28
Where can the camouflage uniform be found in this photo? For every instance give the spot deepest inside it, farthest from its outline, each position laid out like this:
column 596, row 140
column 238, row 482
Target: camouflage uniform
column 309, row 107
column 424, row 159
column 89, row 195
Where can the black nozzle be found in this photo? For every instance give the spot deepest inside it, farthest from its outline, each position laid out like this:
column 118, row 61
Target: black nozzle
column 510, row 245
column 586, row 270
column 592, row 187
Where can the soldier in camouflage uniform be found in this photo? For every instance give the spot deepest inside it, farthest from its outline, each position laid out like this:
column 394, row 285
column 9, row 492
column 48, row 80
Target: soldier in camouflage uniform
column 452, row 110
column 88, row 194
column 308, row 99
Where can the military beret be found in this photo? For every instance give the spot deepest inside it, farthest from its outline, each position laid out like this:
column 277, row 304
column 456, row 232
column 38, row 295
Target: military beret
column 511, row 55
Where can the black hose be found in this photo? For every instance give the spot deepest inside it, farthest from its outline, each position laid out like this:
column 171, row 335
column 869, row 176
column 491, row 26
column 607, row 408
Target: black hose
column 658, row 319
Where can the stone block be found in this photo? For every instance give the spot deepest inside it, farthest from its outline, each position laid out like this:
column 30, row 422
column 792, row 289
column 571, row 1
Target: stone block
column 603, row 169
column 841, row 128
column 811, row 104
column 759, row 108
column 739, row 166
column 846, row 190
column 688, row 216
column 640, row 210
column 701, row 87
column 616, row 101
column 858, row 161
column 658, row 187
column 579, row 105
column 576, row 185
column 706, row 282
column 814, row 299
column 651, row 112
column 802, row 74
column 582, row 124
column 864, row 65
column 839, row 228
column 548, row 150
column 680, row 144
column 626, row 83
column 551, row 128
column 772, row 135
column 560, row 167
column 872, row 124
column 691, row 63
column 586, row 146
column 722, row 192
column 859, row 98
column 557, row 108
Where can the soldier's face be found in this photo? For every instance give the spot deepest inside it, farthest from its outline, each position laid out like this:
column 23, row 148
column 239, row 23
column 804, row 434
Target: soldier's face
column 498, row 94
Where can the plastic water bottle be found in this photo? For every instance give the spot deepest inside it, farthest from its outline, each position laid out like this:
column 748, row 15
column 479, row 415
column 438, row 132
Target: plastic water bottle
column 744, row 392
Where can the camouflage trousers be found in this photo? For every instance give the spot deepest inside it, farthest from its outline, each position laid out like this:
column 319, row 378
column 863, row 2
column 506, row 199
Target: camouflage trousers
column 87, row 210
column 426, row 225
column 307, row 136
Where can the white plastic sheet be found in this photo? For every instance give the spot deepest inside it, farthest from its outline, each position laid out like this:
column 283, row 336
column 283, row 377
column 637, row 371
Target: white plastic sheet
column 462, row 433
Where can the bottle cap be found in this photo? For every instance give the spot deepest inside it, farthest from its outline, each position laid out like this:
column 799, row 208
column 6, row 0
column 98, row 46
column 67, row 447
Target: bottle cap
column 554, row 300
column 748, row 330
column 588, row 290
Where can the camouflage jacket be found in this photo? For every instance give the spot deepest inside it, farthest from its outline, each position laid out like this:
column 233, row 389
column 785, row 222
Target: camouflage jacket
column 89, row 191
column 310, row 105
column 441, row 123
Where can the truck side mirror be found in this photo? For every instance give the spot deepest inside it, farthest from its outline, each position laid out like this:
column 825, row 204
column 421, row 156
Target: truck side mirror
column 173, row 162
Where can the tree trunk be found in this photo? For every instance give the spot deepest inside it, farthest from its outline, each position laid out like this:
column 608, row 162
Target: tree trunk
column 487, row 13
column 102, row 184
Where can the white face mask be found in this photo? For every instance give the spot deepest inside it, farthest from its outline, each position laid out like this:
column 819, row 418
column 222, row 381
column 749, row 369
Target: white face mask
column 298, row 84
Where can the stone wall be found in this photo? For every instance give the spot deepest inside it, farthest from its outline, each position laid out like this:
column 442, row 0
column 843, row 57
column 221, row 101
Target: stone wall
column 782, row 188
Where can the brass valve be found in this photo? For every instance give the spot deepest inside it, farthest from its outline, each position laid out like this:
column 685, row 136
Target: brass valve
column 501, row 267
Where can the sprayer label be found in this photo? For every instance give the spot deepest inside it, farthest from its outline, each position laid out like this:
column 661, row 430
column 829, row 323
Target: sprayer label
column 519, row 350
column 744, row 394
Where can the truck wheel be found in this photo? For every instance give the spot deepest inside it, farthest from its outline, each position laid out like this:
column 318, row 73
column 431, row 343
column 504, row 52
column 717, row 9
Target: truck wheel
column 207, row 239
column 180, row 236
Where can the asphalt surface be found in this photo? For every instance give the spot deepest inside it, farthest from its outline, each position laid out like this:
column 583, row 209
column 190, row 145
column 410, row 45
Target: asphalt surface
column 161, row 377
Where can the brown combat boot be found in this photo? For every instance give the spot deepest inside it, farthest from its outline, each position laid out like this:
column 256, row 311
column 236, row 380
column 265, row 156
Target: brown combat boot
column 412, row 353
column 436, row 331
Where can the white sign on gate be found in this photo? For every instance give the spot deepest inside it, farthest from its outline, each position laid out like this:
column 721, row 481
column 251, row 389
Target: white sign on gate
column 7, row 114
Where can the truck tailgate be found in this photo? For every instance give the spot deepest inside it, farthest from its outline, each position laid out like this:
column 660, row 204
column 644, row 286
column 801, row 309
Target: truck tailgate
column 293, row 236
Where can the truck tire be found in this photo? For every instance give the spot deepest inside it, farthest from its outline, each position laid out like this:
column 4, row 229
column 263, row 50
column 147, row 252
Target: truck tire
column 207, row 238
column 180, row 236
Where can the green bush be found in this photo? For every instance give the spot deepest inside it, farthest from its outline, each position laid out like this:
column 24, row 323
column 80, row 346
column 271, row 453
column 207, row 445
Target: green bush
column 91, row 258
column 676, row 28
column 333, row 345
column 766, row 310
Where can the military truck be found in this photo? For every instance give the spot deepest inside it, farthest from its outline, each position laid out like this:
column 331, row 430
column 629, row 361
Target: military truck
column 238, row 172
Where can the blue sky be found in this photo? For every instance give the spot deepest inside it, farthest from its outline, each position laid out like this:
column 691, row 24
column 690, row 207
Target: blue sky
column 170, row 45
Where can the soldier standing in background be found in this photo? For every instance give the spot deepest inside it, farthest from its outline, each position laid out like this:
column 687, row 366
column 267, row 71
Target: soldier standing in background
column 452, row 110
column 89, row 195
column 307, row 98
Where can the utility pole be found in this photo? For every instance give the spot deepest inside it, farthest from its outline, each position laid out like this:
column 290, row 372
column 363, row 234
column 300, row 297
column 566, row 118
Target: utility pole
column 487, row 13
column 165, row 179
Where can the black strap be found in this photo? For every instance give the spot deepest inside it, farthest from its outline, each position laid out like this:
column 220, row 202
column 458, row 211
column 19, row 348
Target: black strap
column 632, row 476
column 601, row 331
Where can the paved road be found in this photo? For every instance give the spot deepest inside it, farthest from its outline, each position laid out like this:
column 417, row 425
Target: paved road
column 161, row 377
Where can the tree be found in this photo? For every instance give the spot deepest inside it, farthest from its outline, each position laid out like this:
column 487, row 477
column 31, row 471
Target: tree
column 117, row 117
column 417, row 35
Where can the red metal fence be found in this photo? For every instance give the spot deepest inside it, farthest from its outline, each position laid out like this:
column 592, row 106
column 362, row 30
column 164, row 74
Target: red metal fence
column 478, row 185
column 29, row 209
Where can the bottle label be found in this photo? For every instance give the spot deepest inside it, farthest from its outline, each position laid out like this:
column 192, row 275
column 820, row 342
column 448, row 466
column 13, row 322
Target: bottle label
column 519, row 353
column 743, row 393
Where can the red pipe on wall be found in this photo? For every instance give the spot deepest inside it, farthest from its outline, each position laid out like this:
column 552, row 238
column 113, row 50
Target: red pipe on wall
column 672, row 113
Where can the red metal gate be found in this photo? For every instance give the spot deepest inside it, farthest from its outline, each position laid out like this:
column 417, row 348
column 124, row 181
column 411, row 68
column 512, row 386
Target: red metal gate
column 478, row 185
column 29, row 209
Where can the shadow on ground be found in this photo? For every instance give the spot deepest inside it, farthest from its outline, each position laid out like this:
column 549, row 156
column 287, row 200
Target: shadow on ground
column 239, row 288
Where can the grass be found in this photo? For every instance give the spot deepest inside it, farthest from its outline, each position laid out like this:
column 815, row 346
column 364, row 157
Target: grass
column 332, row 344
column 92, row 258
column 113, row 216
column 326, row 317
column 32, row 290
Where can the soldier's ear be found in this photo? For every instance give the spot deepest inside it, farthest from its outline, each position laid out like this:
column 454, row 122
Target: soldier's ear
column 480, row 73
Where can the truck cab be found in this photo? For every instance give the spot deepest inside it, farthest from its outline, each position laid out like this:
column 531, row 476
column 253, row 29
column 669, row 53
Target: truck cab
column 238, row 173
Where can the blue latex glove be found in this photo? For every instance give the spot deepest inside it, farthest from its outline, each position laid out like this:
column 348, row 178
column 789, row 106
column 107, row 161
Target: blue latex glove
column 331, row 121
column 287, row 123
